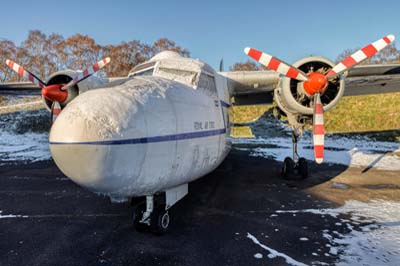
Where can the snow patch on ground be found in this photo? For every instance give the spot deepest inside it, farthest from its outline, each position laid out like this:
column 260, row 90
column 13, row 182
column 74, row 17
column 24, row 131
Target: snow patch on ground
column 258, row 256
column 374, row 237
column 360, row 152
column 273, row 253
column 28, row 147
column 24, row 136
column 6, row 216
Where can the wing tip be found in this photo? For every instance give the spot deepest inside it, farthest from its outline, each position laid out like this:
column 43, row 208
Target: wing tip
column 247, row 50
column 391, row 37
column 319, row 160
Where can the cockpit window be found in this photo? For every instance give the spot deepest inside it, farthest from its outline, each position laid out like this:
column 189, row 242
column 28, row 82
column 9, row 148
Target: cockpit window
column 145, row 69
column 179, row 75
column 207, row 84
column 147, row 72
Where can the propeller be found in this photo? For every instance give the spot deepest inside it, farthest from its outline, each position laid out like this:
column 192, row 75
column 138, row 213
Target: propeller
column 87, row 73
column 25, row 74
column 276, row 64
column 315, row 83
column 318, row 129
column 361, row 55
column 57, row 93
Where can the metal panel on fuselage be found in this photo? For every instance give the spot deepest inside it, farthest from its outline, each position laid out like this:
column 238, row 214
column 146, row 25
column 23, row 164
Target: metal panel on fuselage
column 167, row 148
column 196, row 112
column 225, row 104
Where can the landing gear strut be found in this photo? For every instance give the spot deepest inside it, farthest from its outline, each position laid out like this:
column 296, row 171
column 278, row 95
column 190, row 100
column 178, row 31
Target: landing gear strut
column 153, row 213
column 298, row 165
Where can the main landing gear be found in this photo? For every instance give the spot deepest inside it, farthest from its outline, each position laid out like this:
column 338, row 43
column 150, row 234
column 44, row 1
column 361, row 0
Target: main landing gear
column 296, row 166
column 153, row 214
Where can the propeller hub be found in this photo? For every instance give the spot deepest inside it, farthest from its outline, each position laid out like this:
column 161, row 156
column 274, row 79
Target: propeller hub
column 316, row 83
column 54, row 93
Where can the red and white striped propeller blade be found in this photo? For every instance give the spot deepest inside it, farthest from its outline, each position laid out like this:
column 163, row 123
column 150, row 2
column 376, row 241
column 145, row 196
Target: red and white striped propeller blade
column 275, row 64
column 318, row 129
column 55, row 111
column 361, row 55
column 24, row 73
column 87, row 73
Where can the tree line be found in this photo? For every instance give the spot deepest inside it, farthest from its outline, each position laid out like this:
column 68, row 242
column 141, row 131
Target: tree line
column 44, row 54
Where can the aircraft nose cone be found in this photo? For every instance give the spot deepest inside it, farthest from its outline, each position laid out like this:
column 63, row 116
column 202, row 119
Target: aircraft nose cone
column 82, row 143
column 82, row 163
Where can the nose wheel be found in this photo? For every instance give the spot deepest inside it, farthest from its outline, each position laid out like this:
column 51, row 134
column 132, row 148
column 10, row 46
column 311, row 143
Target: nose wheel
column 159, row 222
column 151, row 215
column 297, row 166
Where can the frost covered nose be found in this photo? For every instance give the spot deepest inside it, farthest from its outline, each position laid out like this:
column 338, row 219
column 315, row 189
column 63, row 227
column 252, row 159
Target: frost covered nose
column 84, row 141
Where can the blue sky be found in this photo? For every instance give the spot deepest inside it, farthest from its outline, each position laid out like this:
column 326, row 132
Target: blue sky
column 287, row 29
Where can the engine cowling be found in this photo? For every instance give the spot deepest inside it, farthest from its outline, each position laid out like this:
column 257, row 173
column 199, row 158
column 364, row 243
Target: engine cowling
column 65, row 76
column 291, row 97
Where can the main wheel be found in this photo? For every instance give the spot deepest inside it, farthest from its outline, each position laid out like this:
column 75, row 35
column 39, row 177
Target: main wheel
column 160, row 221
column 288, row 167
column 303, row 168
column 137, row 217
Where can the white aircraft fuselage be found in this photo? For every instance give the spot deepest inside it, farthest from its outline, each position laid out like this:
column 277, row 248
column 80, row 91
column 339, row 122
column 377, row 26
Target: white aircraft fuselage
column 165, row 125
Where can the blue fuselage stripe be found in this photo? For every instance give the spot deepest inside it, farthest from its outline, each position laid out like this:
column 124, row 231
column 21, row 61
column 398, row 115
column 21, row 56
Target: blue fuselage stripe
column 224, row 104
column 190, row 135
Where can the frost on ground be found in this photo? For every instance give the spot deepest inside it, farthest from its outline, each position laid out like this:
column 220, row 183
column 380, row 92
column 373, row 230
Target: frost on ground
column 24, row 136
column 7, row 216
column 258, row 256
column 28, row 147
column 374, row 237
column 356, row 152
column 273, row 253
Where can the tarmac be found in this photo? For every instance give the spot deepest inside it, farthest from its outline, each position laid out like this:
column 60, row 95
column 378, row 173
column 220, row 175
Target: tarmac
column 46, row 219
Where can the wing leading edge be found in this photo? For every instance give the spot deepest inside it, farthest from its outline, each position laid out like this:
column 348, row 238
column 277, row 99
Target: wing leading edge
column 257, row 87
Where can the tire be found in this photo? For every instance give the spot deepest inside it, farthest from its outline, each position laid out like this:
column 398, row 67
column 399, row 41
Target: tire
column 160, row 221
column 288, row 167
column 137, row 216
column 303, row 168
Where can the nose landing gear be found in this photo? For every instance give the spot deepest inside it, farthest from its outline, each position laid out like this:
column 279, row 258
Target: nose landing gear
column 298, row 165
column 153, row 213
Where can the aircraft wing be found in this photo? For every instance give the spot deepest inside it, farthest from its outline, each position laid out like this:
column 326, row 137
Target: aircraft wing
column 372, row 79
column 19, row 88
column 256, row 87
column 251, row 87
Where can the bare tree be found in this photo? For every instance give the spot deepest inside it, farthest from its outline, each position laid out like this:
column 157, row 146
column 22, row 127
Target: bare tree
column 43, row 55
column 81, row 51
column 124, row 57
column 35, row 48
column 389, row 54
column 246, row 66
column 55, row 44
column 166, row 44
column 8, row 50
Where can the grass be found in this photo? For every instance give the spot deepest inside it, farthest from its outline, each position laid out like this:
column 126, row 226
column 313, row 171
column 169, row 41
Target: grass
column 366, row 113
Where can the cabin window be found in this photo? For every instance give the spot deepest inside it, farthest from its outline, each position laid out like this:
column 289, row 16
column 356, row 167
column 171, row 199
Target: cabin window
column 145, row 69
column 207, row 84
column 147, row 72
column 179, row 75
